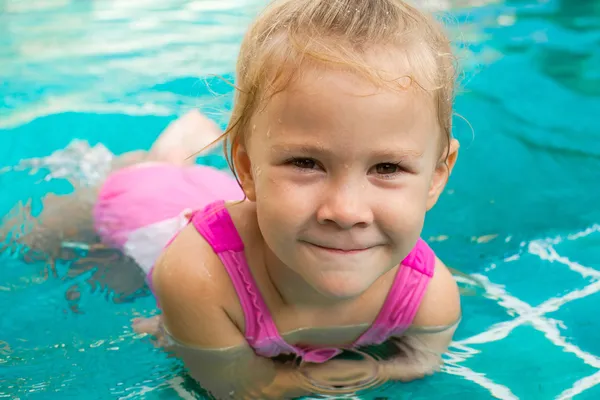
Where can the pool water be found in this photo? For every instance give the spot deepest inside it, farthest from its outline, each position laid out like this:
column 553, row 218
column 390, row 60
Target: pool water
column 521, row 212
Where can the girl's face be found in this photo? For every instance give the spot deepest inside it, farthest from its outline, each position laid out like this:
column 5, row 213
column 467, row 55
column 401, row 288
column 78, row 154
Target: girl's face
column 342, row 174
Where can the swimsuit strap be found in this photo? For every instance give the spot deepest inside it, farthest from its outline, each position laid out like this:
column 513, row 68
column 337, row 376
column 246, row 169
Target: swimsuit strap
column 405, row 296
column 214, row 223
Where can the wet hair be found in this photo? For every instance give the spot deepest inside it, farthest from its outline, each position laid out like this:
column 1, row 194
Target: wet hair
column 341, row 34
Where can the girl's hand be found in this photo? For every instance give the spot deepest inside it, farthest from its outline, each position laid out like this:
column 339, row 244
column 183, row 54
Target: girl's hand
column 151, row 326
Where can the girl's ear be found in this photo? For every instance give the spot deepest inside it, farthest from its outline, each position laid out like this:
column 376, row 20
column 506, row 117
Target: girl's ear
column 243, row 168
column 442, row 173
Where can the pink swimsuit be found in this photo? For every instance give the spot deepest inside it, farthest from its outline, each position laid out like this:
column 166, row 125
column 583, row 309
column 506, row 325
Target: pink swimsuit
column 141, row 209
column 396, row 315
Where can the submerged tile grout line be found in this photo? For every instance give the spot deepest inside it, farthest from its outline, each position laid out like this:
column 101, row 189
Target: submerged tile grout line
column 544, row 249
column 497, row 390
column 534, row 315
column 580, row 386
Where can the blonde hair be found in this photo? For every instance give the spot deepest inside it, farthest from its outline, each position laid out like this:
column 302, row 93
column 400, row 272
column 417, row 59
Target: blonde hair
column 339, row 33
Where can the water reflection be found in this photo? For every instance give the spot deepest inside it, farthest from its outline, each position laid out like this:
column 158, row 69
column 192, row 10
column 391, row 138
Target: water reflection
column 238, row 374
column 351, row 372
column 102, row 56
column 574, row 62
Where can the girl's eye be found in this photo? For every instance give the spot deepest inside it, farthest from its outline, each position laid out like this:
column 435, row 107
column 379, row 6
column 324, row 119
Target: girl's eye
column 387, row 168
column 303, row 163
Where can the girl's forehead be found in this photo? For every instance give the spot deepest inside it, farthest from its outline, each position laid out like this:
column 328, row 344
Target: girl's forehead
column 381, row 65
column 325, row 96
column 336, row 110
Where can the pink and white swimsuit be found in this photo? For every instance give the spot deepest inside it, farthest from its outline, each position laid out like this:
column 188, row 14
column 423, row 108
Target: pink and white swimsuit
column 144, row 218
column 140, row 208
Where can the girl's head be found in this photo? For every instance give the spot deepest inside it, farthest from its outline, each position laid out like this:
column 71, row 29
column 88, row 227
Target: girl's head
column 341, row 134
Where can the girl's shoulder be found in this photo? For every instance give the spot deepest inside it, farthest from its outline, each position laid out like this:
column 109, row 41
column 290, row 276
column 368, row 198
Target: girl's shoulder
column 441, row 303
column 190, row 274
column 189, row 261
column 190, row 282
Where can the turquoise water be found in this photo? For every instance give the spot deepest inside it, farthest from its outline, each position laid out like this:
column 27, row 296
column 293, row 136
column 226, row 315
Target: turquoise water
column 521, row 212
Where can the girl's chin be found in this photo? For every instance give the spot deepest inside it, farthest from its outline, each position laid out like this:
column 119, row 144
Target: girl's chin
column 340, row 284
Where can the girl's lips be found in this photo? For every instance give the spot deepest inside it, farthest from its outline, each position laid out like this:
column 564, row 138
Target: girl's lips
column 341, row 250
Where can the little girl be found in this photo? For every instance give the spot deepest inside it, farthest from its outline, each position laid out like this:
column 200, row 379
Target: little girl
column 341, row 140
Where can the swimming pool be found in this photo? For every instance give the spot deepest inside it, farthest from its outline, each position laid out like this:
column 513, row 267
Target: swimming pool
column 520, row 213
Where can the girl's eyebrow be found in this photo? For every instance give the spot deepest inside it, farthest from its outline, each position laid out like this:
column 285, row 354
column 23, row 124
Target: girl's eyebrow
column 300, row 148
column 320, row 150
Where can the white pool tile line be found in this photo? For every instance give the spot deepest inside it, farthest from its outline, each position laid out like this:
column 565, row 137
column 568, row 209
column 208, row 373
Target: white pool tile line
column 461, row 350
column 497, row 390
column 580, row 386
column 546, row 251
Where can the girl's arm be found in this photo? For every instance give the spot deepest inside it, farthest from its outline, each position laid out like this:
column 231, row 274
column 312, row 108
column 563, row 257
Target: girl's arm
column 421, row 348
column 192, row 287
